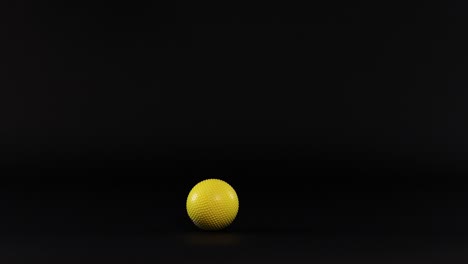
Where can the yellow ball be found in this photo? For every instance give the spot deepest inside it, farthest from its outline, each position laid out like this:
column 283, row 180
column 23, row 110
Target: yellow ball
column 212, row 204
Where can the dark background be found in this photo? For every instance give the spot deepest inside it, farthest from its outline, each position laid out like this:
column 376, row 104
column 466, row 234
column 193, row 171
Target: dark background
column 332, row 120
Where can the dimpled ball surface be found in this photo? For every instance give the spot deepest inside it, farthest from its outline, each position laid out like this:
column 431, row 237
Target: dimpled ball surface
column 212, row 204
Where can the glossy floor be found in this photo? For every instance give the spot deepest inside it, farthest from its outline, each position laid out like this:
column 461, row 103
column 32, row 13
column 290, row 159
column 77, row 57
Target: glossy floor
column 219, row 247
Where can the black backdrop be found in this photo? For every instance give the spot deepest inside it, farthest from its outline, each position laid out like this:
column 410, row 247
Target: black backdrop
column 331, row 118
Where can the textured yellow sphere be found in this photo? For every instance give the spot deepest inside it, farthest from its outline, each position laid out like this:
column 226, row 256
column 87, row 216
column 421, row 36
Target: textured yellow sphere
column 212, row 204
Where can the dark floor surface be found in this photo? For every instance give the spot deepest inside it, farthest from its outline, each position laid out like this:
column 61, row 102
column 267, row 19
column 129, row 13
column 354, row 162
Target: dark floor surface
column 233, row 247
